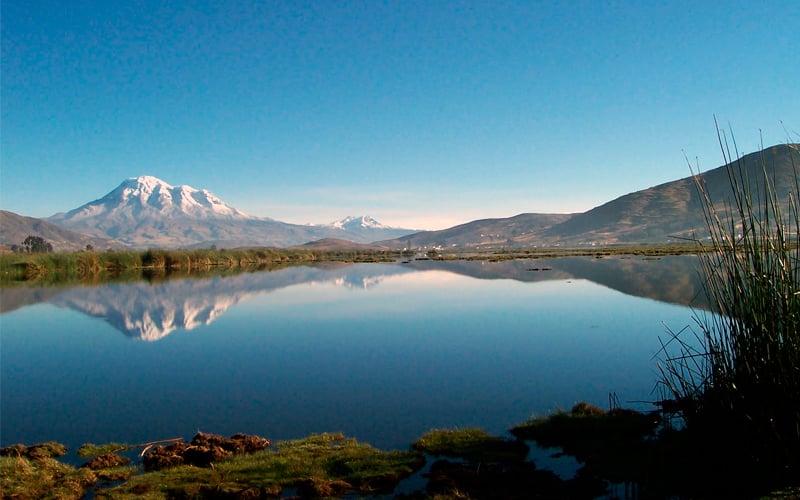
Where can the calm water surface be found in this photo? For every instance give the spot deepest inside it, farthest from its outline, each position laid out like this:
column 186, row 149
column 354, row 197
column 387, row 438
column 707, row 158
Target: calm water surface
column 382, row 352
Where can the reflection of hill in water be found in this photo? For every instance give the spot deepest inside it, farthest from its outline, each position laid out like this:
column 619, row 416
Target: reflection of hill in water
column 16, row 297
column 151, row 311
column 672, row 279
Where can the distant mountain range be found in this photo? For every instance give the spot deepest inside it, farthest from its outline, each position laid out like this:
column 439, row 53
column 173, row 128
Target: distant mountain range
column 147, row 212
column 660, row 214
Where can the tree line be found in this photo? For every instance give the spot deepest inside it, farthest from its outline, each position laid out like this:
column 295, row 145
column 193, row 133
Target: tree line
column 33, row 244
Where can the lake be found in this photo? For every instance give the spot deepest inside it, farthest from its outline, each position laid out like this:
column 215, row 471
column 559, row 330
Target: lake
column 381, row 352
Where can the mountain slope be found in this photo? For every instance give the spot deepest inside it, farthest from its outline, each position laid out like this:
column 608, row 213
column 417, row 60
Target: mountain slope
column 659, row 214
column 480, row 233
column 14, row 228
column 337, row 244
column 671, row 209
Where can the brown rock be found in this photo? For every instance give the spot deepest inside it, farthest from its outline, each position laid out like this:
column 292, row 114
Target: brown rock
column 238, row 443
column 106, row 461
column 161, row 457
column 202, row 456
column 207, row 440
column 203, row 450
column 249, row 443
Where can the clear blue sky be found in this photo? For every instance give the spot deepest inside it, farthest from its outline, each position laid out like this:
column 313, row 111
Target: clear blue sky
column 423, row 114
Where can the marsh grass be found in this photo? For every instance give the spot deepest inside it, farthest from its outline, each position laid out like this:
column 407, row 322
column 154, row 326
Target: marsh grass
column 736, row 383
column 89, row 450
column 70, row 267
column 66, row 266
column 470, row 444
column 21, row 477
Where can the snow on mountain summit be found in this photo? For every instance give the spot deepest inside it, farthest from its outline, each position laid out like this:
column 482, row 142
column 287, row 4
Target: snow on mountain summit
column 150, row 197
column 361, row 222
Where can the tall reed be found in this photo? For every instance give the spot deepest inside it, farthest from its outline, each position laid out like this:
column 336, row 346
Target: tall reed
column 738, row 381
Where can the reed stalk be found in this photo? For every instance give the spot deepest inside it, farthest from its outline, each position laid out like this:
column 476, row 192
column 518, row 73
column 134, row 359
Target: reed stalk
column 737, row 381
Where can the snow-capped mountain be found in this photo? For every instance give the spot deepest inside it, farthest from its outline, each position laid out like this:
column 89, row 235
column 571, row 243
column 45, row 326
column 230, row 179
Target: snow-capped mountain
column 367, row 229
column 148, row 212
column 147, row 196
column 353, row 222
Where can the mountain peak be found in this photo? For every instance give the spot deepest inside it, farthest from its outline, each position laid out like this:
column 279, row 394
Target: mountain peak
column 358, row 222
column 146, row 181
column 142, row 188
column 147, row 197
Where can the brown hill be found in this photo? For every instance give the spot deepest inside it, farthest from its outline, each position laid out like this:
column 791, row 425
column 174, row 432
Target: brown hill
column 14, row 228
column 665, row 213
column 484, row 233
column 662, row 213
column 339, row 244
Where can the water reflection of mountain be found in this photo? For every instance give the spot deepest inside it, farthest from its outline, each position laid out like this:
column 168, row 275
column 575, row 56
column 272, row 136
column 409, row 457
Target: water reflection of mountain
column 150, row 311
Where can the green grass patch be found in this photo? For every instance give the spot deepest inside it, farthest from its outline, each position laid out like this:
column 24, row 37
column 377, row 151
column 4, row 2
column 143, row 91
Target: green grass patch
column 22, row 477
column 90, row 450
column 470, row 444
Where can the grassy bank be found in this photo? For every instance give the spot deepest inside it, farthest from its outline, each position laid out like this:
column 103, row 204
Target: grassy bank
column 121, row 265
column 89, row 266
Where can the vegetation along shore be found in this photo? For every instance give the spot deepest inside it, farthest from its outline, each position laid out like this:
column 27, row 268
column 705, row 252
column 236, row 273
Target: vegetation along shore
column 91, row 266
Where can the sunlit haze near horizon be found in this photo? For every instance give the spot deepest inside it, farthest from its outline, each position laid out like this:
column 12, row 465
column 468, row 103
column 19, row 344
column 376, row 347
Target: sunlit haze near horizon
column 422, row 114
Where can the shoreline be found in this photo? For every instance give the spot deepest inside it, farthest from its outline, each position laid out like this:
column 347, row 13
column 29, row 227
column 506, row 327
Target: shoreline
column 642, row 451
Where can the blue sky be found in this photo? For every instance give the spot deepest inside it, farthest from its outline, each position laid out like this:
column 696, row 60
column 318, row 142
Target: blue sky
column 422, row 114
